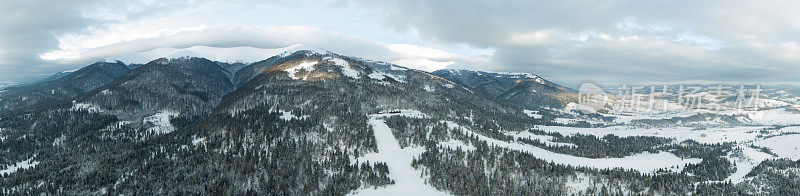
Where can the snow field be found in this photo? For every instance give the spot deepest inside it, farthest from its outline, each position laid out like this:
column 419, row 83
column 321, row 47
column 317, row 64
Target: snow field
column 644, row 162
column 407, row 179
column 19, row 165
column 160, row 122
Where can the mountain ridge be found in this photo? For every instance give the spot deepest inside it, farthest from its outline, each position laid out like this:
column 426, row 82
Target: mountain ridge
column 319, row 123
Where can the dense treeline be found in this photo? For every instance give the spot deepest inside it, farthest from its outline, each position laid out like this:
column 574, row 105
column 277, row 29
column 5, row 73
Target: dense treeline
column 712, row 168
column 693, row 149
column 774, row 177
column 255, row 151
column 591, row 146
column 38, row 133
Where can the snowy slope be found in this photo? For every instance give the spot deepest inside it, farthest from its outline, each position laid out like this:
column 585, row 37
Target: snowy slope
column 399, row 161
column 645, row 162
column 159, row 123
column 786, row 146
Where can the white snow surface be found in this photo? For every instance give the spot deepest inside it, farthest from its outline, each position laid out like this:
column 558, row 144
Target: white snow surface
column 305, row 65
column 579, row 107
column 407, row 179
column 785, row 146
column 381, row 75
column 783, row 142
column 287, row 116
column 579, row 183
column 198, row 140
column 337, row 61
column 774, row 117
column 299, row 47
column 59, row 140
column 109, row 61
column 744, row 165
column 404, row 112
column 85, row 106
column 376, row 75
column 533, row 114
column 160, row 122
column 19, row 165
column 72, row 70
column 517, row 74
column 644, row 162
column 428, row 88
column 345, row 66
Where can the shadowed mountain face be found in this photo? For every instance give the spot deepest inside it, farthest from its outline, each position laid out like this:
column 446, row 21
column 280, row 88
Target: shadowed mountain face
column 526, row 89
column 186, row 86
column 61, row 87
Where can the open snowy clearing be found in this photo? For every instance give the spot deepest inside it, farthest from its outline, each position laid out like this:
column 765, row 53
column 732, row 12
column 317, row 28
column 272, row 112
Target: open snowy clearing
column 774, row 117
column 645, row 162
column 744, row 165
column 160, row 122
column 287, row 116
column 532, row 114
column 785, row 146
column 406, row 178
column 19, row 165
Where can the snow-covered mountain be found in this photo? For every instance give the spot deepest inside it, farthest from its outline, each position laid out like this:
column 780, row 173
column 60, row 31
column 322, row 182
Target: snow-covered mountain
column 314, row 122
column 61, row 87
column 523, row 88
column 186, row 86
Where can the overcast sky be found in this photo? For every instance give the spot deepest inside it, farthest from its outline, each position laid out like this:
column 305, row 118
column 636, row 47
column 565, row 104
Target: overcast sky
column 616, row 41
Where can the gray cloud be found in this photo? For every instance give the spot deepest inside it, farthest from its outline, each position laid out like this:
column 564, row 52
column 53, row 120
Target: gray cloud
column 266, row 37
column 617, row 41
column 567, row 41
column 30, row 28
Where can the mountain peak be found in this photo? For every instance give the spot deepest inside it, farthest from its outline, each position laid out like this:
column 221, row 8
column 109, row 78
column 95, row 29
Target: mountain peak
column 305, row 50
column 169, row 60
column 517, row 75
column 108, row 60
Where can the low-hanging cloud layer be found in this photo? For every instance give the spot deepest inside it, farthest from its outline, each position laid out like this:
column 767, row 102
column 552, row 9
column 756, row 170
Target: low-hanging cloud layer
column 622, row 41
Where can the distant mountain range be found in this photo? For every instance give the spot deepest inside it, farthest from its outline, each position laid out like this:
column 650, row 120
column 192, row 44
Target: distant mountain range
column 312, row 122
column 165, row 84
column 104, row 110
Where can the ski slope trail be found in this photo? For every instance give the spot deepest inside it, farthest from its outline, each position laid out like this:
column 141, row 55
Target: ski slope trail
column 407, row 179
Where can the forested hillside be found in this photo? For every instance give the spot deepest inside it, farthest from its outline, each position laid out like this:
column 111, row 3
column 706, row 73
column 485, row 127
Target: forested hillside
column 314, row 122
